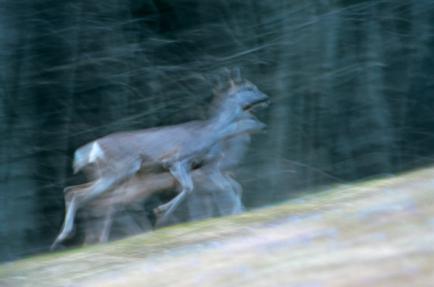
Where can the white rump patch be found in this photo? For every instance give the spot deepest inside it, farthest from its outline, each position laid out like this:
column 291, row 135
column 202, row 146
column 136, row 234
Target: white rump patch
column 95, row 152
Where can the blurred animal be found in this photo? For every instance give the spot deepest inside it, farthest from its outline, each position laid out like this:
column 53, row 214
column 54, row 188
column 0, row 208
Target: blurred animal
column 113, row 160
column 213, row 195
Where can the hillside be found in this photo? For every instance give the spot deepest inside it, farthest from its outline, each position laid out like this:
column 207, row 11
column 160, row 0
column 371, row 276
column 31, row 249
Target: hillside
column 374, row 233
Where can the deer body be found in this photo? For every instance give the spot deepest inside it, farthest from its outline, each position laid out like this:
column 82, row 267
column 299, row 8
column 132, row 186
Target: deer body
column 152, row 148
column 212, row 198
column 117, row 157
column 114, row 159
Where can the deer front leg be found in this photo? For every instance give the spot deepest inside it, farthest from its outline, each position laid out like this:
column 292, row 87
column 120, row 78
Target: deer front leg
column 181, row 172
column 235, row 205
column 228, row 196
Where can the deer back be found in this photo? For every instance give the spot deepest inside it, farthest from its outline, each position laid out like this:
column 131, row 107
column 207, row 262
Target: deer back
column 153, row 148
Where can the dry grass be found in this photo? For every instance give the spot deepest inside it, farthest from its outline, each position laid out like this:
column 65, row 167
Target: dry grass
column 377, row 233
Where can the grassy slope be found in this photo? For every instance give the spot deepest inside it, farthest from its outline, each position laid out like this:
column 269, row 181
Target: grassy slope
column 376, row 233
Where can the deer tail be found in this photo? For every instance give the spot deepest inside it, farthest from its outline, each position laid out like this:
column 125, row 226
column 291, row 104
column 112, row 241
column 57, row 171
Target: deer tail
column 86, row 155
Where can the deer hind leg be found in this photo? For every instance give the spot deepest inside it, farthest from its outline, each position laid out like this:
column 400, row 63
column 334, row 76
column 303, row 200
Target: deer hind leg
column 107, row 225
column 201, row 203
column 93, row 226
column 98, row 223
column 77, row 196
column 182, row 174
column 106, row 183
column 68, row 223
column 71, row 207
column 132, row 221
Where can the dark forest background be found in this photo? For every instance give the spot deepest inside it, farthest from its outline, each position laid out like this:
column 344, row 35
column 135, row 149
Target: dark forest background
column 352, row 86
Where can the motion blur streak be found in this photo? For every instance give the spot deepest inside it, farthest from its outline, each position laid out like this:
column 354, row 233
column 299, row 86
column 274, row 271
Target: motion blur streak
column 350, row 82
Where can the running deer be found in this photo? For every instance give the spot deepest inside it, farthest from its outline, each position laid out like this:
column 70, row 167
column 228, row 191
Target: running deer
column 210, row 198
column 114, row 159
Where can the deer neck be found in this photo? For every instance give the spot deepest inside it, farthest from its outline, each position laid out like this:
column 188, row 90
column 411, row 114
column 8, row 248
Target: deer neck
column 219, row 122
column 233, row 123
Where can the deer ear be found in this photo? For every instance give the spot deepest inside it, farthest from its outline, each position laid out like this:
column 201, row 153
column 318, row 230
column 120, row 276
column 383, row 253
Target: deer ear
column 215, row 82
column 236, row 75
column 220, row 80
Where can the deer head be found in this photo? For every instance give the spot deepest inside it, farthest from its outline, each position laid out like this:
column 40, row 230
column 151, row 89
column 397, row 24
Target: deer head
column 235, row 97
